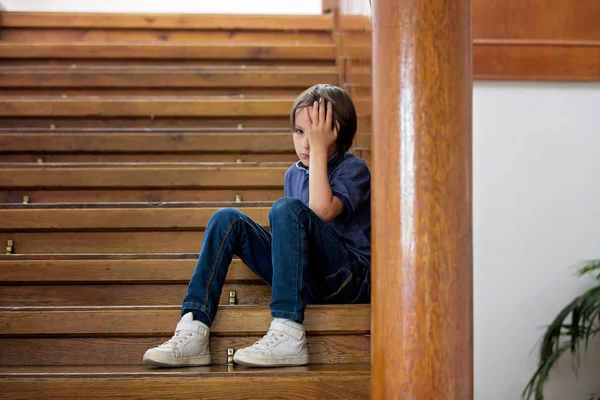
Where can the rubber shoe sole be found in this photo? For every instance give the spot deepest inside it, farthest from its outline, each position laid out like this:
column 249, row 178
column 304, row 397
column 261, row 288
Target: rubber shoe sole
column 273, row 362
column 158, row 361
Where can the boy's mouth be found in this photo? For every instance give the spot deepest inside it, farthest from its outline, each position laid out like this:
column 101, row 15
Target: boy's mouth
column 304, row 155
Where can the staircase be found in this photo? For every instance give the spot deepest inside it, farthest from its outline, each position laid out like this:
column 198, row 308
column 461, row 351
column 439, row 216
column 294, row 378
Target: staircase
column 120, row 135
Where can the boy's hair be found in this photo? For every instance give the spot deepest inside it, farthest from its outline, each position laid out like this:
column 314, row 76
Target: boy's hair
column 343, row 111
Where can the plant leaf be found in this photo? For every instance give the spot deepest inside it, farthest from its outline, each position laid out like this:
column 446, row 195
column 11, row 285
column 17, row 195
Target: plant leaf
column 563, row 335
column 592, row 265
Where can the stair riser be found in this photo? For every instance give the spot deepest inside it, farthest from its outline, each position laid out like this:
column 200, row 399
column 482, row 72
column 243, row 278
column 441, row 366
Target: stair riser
column 47, row 269
column 160, row 321
column 121, row 295
column 75, row 351
column 141, row 195
column 344, row 387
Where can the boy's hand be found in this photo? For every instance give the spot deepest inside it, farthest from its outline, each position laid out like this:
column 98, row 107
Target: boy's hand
column 321, row 135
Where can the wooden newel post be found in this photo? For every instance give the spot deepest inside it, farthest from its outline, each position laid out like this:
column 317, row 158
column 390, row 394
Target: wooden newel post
column 422, row 329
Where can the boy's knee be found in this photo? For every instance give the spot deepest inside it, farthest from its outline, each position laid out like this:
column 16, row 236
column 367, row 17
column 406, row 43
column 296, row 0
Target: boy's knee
column 286, row 206
column 225, row 216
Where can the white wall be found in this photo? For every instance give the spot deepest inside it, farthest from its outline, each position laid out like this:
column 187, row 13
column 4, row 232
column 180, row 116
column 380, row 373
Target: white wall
column 169, row 6
column 536, row 205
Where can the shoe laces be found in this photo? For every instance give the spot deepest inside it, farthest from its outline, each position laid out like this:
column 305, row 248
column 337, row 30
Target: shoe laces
column 178, row 338
column 270, row 339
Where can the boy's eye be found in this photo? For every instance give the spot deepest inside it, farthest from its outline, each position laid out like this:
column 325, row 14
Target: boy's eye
column 299, row 131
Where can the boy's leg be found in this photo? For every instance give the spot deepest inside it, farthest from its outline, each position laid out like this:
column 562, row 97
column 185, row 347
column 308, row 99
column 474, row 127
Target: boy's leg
column 229, row 232
column 310, row 264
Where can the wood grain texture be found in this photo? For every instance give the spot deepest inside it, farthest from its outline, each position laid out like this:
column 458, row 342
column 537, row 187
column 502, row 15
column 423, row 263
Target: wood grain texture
column 123, row 106
column 160, row 321
column 178, row 78
column 287, row 157
column 153, row 106
column 109, row 268
column 154, row 195
column 108, row 242
column 531, row 40
column 121, row 295
column 422, row 231
column 344, row 386
column 127, row 218
column 165, row 21
column 327, row 349
column 162, row 35
column 137, row 142
column 161, row 176
column 171, row 51
column 95, row 371
column 536, row 19
column 536, row 61
column 115, row 268
column 98, row 122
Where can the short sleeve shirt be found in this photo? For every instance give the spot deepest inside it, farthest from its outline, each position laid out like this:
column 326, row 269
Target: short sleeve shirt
column 350, row 181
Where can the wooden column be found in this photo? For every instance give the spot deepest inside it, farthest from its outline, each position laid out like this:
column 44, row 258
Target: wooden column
column 422, row 329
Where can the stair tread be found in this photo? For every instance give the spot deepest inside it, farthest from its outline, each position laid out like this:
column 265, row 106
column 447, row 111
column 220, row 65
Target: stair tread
column 100, row 256
column 109, row 321
column 167, row 21
column 93, row 218
column 142, row 175
column 149, row 165
column 133, row 130
column 209, row 371
column 109, row 268
column 135, row 205
column 175, row 50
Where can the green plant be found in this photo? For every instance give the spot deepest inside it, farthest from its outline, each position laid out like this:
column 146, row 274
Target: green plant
column 574, row 325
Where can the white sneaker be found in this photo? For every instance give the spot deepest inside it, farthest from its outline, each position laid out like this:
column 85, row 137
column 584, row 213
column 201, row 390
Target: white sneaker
column 284, row 344
column 189, row 346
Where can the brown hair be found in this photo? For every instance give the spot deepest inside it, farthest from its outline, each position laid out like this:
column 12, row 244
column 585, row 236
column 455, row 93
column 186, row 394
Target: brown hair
column 344, row 112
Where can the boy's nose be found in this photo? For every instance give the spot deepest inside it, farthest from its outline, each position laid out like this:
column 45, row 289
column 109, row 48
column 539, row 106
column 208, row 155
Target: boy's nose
column 305, row 141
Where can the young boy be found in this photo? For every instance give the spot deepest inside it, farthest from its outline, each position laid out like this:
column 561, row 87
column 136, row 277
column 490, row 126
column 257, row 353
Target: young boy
column 317, row 249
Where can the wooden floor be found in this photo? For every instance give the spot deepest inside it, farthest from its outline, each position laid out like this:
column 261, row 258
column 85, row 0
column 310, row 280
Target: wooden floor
column 119, row 138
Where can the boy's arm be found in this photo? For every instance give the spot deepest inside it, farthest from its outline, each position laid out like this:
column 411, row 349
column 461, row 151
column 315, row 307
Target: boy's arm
column 321, row 199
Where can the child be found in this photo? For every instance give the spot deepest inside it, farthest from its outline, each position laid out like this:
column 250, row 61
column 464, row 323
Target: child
column 317, row 249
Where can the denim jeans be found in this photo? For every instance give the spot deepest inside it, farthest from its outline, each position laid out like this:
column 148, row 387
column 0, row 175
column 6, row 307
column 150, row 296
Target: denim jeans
column 301, row 258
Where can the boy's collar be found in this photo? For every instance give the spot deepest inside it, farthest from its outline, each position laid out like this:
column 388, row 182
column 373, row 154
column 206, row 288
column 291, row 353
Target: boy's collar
column 332, row 162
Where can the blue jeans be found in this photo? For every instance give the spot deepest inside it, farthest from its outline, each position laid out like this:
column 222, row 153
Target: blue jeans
column 301, row 258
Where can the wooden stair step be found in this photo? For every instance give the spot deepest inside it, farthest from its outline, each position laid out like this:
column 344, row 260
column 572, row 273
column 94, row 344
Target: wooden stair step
column 210, row 50
column 154, row 106
column 104, row 242
column 119, row 229
column 216, row 382
column 232, row 92
column 323, row 349
column 172, row 157
column 107, row 242
column 163, row 35
column 143, row 106
column 120, row 216
column 141, row 176
column 160, row 320
column 167, row 21
column 242, row 141
column 109, row 268
column 99, row 77
column 35, row 195
column 121, row 295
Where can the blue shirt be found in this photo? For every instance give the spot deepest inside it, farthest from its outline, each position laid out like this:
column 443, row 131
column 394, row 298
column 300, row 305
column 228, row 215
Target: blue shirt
column 350, row 181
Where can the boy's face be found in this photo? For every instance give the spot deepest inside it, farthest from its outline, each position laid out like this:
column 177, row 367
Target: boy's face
column 300, row 135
